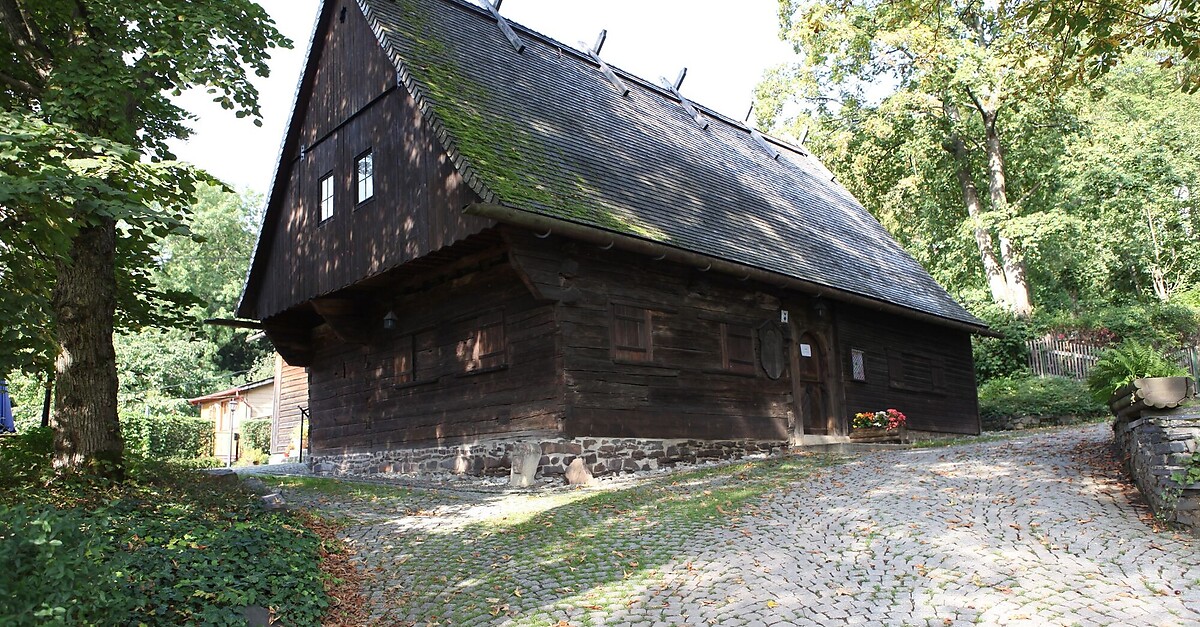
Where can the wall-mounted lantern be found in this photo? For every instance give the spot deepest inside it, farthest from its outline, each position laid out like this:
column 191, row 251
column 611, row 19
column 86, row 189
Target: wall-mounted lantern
column 820, row 308
column 390, row 321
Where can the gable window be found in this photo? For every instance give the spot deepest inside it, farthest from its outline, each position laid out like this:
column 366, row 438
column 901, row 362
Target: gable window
column 631, row 338
column 737, row 348
column 487, row 348
column 364, row 177
column 326, row 187
column 858, row 365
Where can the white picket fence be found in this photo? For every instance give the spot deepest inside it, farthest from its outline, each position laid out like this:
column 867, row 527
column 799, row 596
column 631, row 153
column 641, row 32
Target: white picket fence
column 1073, row 359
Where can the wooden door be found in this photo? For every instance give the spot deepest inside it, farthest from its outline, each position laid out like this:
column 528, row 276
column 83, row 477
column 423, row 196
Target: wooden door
column 811, row 387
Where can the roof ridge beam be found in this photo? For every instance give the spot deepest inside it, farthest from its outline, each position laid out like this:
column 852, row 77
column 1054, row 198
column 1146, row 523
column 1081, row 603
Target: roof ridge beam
column 700, row 120
column 594, row 53
column 509, row 33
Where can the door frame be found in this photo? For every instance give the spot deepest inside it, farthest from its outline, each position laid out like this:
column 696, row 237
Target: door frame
column 821, row 331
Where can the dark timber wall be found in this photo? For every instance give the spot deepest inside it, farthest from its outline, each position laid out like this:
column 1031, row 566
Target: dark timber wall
column 925, row 371
column 291, row 393
column 684, row 388
column 352, row 106
column 473, row 357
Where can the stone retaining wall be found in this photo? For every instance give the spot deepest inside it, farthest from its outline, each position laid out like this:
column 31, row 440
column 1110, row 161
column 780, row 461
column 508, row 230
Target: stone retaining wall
column 1017, row 423
column 600, row 456
column 1156, row 445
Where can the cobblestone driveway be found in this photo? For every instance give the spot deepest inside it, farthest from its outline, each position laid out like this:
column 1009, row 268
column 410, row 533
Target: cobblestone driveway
column 1016, row 532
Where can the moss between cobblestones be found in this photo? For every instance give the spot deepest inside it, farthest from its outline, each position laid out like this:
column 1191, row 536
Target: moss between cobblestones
column 581, row 556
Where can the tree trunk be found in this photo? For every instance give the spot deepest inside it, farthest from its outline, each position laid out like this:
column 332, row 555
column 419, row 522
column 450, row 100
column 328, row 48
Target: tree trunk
column 1014, row 264
column 87, row 435
column 983, row 236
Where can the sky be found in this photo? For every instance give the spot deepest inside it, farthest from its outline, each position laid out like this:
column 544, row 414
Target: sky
column 726, row 52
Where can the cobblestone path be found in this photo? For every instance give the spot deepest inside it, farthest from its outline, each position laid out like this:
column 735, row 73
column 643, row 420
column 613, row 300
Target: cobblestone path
column 1015, row 532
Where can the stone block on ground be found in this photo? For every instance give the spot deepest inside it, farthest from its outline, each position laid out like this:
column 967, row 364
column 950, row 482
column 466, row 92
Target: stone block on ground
column 525, row 457
column 254, row 484
column 578, row 473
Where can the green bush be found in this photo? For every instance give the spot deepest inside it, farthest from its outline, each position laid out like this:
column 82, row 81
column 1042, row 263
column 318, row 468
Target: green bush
column 58, row 571
column 166, row 547
column 257, row 434
column 1037, row 396
column 25, row 456
column 1165, row 325
column 250, row 456
column 168, row 437
column 1001, row 357
column 1125, row 362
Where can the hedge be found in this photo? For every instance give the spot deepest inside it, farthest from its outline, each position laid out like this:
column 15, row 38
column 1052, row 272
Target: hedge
column 257, row 434
column 168, row 437
column 1037, row 396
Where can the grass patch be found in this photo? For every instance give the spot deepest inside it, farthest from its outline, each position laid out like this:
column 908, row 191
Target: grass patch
column 168, row 546
column 338, row 487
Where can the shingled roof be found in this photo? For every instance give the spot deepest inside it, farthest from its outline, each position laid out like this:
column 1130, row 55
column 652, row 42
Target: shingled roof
column 545, row 132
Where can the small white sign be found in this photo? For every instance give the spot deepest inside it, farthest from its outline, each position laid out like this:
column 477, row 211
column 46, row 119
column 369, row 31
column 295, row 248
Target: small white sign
column 806, row 350
column 783, row 315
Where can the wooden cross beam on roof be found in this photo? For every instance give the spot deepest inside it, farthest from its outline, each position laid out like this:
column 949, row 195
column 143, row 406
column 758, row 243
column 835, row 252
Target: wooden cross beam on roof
column 494, row 9
column 758, row 137
column 594, row 53
column 687, row 105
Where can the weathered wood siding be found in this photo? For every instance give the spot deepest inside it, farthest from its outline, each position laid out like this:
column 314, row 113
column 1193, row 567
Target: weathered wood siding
column 684, row 389
column 352, row 105
column 291, row 393
column 425, row 384
column 923, row 370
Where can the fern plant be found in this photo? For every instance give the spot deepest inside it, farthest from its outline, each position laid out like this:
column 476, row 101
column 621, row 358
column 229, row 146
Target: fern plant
column 1125, row 362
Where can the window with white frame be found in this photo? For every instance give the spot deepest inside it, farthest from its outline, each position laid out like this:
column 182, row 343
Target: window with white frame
column 326, row 187
column 364, row 176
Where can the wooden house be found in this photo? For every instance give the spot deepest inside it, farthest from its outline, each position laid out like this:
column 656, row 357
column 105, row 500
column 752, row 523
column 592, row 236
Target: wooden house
column 229, row 409
column 478, row 236
column 283, row 399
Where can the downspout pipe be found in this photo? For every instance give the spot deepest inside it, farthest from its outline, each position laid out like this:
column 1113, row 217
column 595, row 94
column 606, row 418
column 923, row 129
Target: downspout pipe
column 541, row 223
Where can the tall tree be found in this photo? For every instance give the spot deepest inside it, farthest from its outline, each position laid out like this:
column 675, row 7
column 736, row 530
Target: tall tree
column 1097, row 35
column 85, row 87
column 966, row 64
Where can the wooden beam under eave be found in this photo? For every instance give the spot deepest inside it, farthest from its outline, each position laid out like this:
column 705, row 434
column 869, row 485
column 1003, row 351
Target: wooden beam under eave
column 348, row 318
column 293, row 344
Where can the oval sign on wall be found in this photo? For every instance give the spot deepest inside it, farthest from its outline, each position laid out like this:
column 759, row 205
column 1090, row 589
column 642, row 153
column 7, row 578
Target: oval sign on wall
column 772, row 351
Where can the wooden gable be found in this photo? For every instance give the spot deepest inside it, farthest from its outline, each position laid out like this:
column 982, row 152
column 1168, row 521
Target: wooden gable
column 349, row 104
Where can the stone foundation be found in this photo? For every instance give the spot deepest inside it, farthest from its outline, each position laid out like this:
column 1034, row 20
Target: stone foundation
column 601, row 456
column 1157, row 445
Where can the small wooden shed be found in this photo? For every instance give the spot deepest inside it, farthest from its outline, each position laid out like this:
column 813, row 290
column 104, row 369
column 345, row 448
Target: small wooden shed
column 478, row 235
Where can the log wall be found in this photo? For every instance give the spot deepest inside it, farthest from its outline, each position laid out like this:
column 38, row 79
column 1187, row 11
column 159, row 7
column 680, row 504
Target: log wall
column 923, row 370
column 425, row 383
column 353, row 105
column 291, row 394
column 683, row 388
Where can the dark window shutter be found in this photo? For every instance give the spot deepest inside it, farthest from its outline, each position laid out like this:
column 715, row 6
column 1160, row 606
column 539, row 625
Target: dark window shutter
column 737, row 348
column 489, row 350
column 631, row 339
column 404, row 363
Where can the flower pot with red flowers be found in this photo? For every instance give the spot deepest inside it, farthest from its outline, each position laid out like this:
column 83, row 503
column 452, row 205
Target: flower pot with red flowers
column 879, row 426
